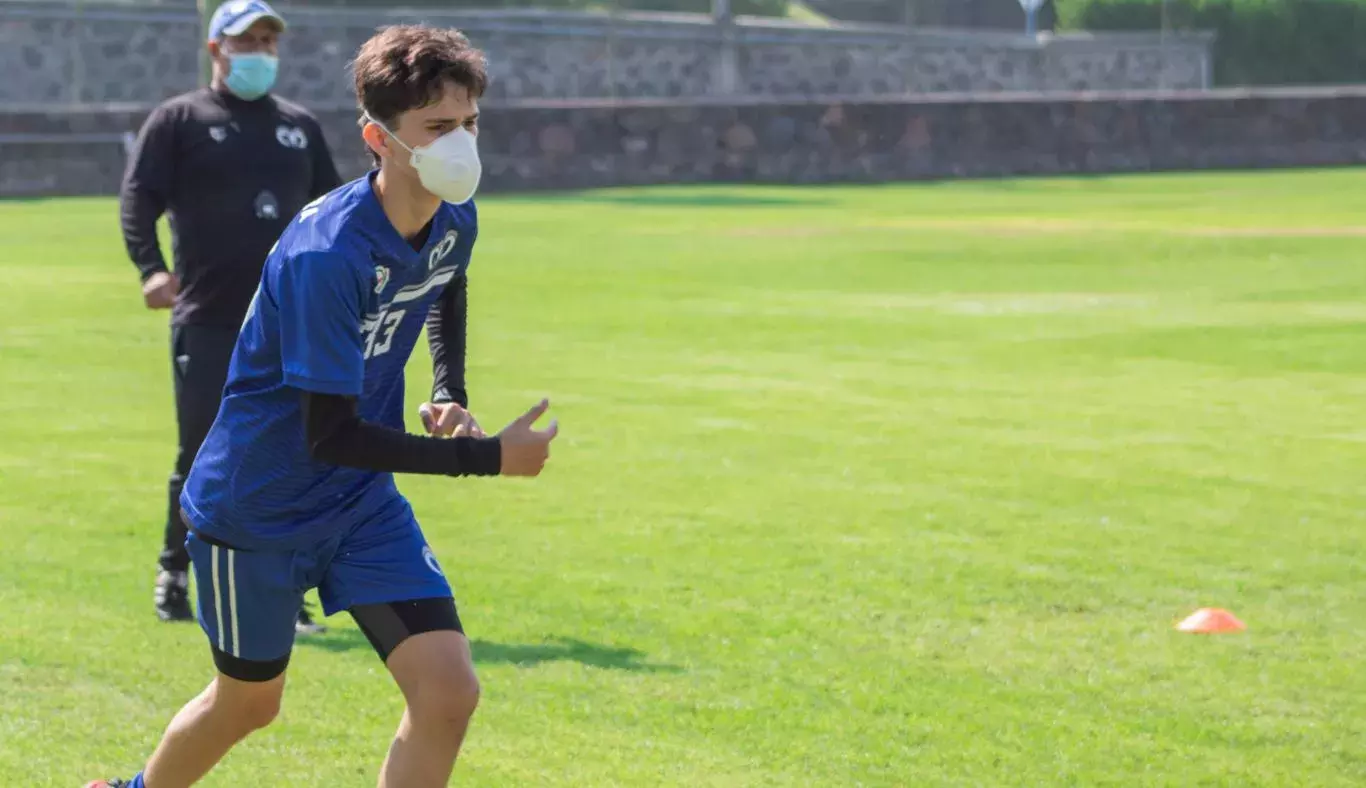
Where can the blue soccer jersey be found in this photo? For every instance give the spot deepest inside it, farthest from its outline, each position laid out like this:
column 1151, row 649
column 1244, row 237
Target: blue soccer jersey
column 341, row 304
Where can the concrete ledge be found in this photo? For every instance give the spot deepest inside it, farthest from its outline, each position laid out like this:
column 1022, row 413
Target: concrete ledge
column 571, row 145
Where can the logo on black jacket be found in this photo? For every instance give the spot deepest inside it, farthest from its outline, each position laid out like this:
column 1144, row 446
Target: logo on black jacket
column 291, row 137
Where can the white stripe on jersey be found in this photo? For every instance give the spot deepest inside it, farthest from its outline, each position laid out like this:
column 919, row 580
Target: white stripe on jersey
column 414, row 292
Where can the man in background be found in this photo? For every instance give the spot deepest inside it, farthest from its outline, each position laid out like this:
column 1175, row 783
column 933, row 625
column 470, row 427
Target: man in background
column 230, row 165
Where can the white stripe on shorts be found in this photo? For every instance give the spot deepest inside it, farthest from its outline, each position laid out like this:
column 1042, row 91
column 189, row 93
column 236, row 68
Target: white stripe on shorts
column 232, row 602
column 217, row 597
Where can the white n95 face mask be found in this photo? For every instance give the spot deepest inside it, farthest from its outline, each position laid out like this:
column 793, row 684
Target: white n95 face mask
column 448, row 167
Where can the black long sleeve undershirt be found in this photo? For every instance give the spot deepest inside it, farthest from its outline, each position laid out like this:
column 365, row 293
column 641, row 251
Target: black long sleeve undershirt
column 336, row 435
column 446, row 324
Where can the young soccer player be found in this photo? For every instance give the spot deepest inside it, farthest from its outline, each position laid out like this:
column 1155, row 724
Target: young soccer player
column 293, row 488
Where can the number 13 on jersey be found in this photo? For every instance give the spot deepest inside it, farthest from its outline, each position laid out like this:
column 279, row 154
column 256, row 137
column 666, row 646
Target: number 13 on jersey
column 379, row 332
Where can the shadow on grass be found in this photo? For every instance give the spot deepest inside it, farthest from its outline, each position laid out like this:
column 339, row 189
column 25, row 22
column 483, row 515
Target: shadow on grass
column 523, row 655
column 567, row 650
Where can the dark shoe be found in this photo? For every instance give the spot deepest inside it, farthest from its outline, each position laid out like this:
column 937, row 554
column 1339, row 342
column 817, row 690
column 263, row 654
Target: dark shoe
column 173, row 596
column 107, row 784
column 305, row 625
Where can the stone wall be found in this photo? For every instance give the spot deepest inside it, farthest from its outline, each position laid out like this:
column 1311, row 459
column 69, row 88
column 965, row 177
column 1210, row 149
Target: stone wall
column 593, row 144
column 56, row 53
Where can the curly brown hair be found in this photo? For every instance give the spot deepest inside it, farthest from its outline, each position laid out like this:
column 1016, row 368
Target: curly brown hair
column 404, row 67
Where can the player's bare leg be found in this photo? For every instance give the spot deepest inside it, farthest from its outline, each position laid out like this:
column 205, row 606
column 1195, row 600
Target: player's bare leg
column 208, row 726
column 436, row 674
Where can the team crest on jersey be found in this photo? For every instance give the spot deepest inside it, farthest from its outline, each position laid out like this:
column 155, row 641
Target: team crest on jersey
column 381, row 278
column 442, row 249
column 218, row 133
column 291, row 137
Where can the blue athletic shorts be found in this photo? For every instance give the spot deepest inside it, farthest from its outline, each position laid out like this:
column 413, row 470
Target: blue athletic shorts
column 249, row 599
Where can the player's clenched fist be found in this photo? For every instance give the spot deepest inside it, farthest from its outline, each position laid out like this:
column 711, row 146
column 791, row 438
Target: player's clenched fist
column 525, row 448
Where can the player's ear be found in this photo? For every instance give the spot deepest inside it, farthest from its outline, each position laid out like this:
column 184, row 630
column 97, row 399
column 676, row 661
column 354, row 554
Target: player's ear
column 376, row 140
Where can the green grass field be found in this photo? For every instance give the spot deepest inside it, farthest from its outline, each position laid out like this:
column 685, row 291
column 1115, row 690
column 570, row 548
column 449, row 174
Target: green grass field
column 855, row 486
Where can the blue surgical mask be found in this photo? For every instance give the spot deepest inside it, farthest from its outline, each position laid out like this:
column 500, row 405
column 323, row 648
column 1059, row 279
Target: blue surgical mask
column 251, row 75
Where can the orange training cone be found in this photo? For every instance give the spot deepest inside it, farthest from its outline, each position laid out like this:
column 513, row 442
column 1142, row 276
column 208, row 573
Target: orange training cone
column 1211, row 621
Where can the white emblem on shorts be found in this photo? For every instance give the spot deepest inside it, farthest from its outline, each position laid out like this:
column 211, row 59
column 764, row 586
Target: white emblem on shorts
column 431, row 560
